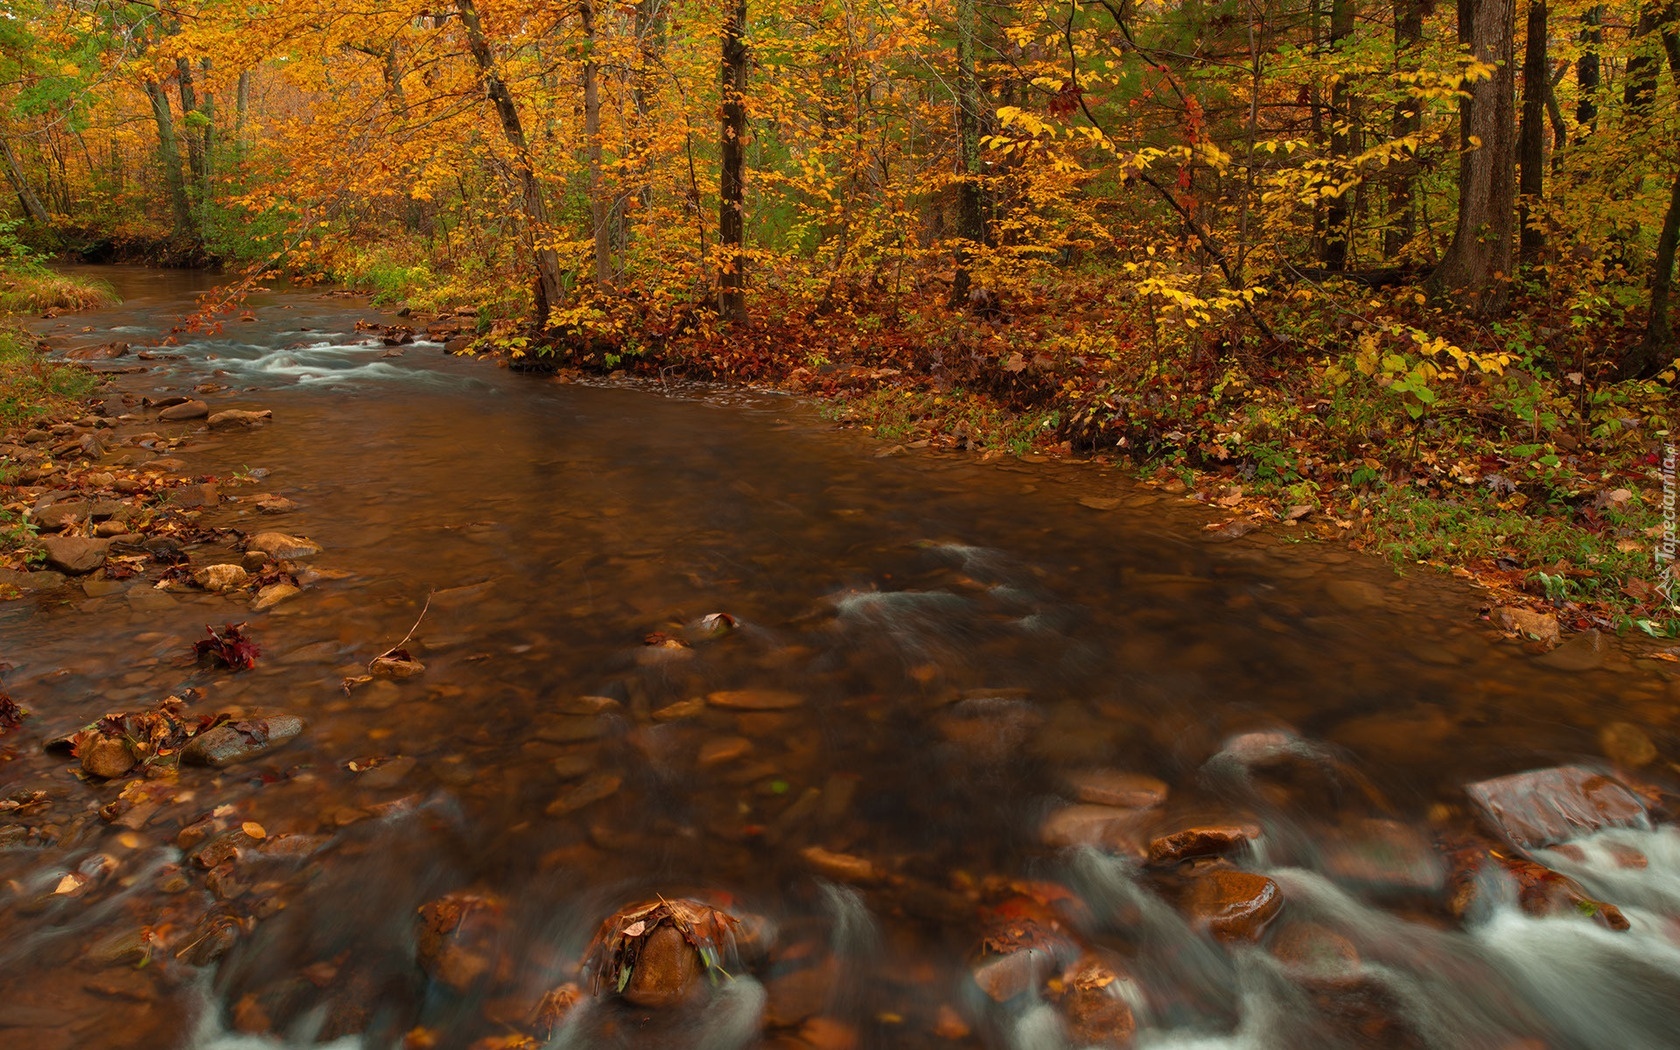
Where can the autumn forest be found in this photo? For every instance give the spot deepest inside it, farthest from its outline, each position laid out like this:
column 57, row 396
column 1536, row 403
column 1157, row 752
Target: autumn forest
column 1355, row 252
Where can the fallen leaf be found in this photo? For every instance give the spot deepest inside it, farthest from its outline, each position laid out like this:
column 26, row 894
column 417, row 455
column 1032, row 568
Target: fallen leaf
column 253, row 829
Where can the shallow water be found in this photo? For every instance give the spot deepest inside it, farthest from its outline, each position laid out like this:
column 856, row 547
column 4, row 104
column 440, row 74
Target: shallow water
column 960, row 635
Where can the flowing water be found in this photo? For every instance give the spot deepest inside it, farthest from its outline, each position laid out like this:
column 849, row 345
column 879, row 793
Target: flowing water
column 959, row 636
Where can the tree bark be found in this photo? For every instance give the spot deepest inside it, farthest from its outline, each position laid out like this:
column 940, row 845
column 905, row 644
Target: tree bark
column 732, row 300
column 1658, row 347
column 1476, row 270
column 1407, row 121
column 31, row 204
column 600, row 218
column 1531, row 137
column 548, row 291
column 1338, row 229
column 189, row 106
column 1587, row 69
column 169, row 156
column 971, row 126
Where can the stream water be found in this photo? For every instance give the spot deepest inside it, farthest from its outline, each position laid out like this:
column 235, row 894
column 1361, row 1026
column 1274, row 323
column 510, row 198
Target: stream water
column 945, row 641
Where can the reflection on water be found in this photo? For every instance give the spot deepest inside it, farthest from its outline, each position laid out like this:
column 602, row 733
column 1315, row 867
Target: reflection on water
column 926, row 648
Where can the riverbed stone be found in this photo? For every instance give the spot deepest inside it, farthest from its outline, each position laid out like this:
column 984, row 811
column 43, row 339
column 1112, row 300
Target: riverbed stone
column 1232, row 905
column 189, row 409
column 240, row 741
column 1088, row 824
column 723, row 750
column 841, row 867
column 458, row 940
column 192, row 497
column 1203, row 840
column 1113, row 787
column 754, row 700
column 75, row 555
column 1317, row 954
column 272, row 595
column 280, row 546
column 108, row 757
column 235, row 417
column 587, row 792
column 1355, row 595
column 667, row 970
column 219, row 579
column 1627, row 745
column 1543, row 807
column 1583, row 652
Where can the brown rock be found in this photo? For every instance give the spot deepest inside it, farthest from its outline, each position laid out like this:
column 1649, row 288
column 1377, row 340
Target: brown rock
column 1090, row 1000
column 219, row 579
column 1541, row 627
column 1383, row 855
column 723, row 750
column 1543, row 807
column 841, row 867
column 191, row 409
column 273, row 595
column 279, row 546
column 74, row 555
column 1210, row 840
column 1584, row 652
column 193, row 497
column 1316, row 953
column 1003, row 977
column 667, row 970
column 235, row 417
column 1092, row 825
column 108, row 757
column 240, row 741
column 1627, row 745
column 1355, row 595
column 1111, row 787
column 457, row 942
column 1232, row 905
column 585, row 793
column 755, row 700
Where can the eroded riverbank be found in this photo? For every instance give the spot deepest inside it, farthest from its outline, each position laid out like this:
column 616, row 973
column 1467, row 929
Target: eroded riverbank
column 895, row 750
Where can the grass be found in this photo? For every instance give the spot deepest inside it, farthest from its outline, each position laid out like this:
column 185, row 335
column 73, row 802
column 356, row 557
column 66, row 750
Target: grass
column 31, row 387
column 32, row 289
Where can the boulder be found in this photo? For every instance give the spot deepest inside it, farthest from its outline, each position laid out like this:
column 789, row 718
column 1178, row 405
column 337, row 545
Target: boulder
column 189, row 409
column 1232, row 905
column 75, row 555
column 667, row 970
column 1207, row 840
column 1543, row 807
column 108, row 757
column 240, row 741
column 235, row 417
column 279, row 546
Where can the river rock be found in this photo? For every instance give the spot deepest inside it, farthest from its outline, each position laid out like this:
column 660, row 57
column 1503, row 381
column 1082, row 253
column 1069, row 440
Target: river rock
column 585, row 793
column 275, row 505
column 667, row 970
column 29, row 582
column 74, row 555
column 1207, row 840
column 193, row 497
column 1313, row 953
column 1355, row 595
column 1003, row 977
column 396, row 664
column 240, row 741
column 108, row 757
column 1541, row 627
column 1543, row 807
column 235, row 417
column 1584, row 652
column 1627, row 745
column 755, row 700
column 458, row 941
column 219, row 579
column 274, row 594
column 190, row 409
column 1092, row 825
column 1232, row 905
column 723, row 750
column 841, row 867
column 1112, row 787
column 279, row 546
column 1091, row 1002
column 1383, row 856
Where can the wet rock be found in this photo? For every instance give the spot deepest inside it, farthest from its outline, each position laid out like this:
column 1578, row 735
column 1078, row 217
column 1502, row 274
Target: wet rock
column 1313, row 953
column 723, row 750
column 219, row 579
column 841, row 867
column 653, row 954
column 458, row 942
column 1584, row 652
column 275, row 505
column 235, row 417
column 1355, row 595
column 1541, row 627
column 1092, row 825
column 74, row 555
column 585, row 793
column 667, row 970
column 240, row 741
column 755, row 700
column 1003, row 977
column 1383, row 856
column 272, row 595
column 1207, row 840
column 457, row 344
column 279, row 546
column 1232, row 905
column 1627, row 745
column 1111, row 787
column 108, row 757
column 1090, row 1000
column 395, row 664
column 1543, row 807
column 28, row 582
column 194, row 497
column 190, row 409
column 213, row 938
column 571, row 730
column 680, row 710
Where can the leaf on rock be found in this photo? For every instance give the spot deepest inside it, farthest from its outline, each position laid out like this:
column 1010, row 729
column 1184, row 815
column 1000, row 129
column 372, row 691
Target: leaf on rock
column 230, row 647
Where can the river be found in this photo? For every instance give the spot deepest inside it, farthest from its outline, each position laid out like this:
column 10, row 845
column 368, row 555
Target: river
column 935, row 651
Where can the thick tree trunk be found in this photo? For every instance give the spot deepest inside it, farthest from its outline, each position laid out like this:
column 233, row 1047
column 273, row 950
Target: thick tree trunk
column 31, row 204
column 1476, row 270
column 1658, row 347
column 600, row 210
column 1587, row 69
column 1531, row 137
column 548, row 291
column 732, row 229
column 1338, row 231
column 169, row 156
column 189, row 106
column 1407, row 121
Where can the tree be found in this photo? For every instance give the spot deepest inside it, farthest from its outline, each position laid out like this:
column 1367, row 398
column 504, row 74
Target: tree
column 1531, row 136
column 732, row 148
column 1476, row 269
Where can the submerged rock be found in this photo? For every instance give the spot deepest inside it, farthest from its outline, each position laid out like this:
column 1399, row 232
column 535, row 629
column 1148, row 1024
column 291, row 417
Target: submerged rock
column 235, row 417
column 108, row 757
column 1112, row 787
column 75, row 555
column 653, row 954
column 1232, row 905
column 458, row 941
column 280, row 546
column 1543, row 807
column 1207, row 840
column 219, row 579
column 190, row 409
column 240, row 741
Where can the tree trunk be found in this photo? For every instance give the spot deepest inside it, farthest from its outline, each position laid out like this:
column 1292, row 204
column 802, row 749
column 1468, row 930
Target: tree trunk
column 971, row 201
column 1337, row 228
column 732, row 300
column 1531, row 137
column 241, row 107
column 548, row 291
column 169, row 156
column 1476, row 270
column 600, row 220
column 1658, row 347
column 207, row 106
column 1402, row 214
column 189, row 106
column 31, row 204
column 1587, row 69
